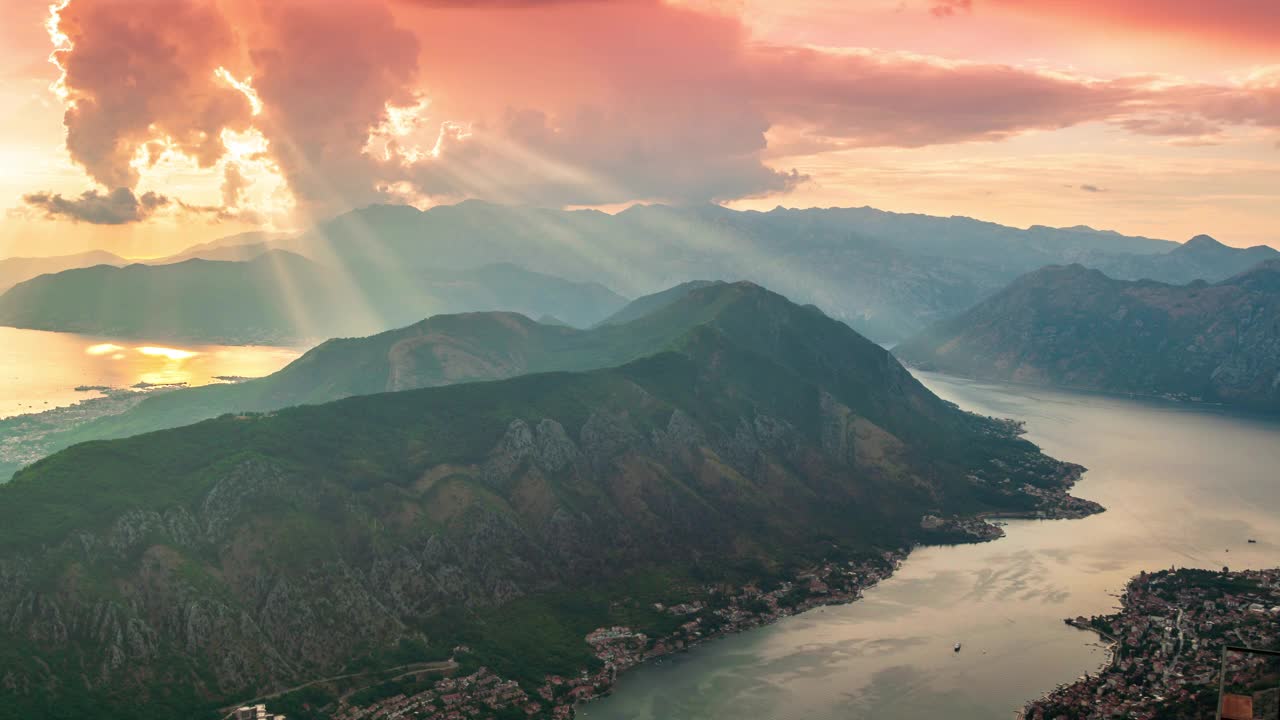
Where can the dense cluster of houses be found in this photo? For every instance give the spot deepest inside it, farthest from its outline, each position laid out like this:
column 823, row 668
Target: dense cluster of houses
column 1168, row 649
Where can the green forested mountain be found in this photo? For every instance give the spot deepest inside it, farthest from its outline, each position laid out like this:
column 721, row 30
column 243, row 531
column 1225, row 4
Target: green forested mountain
column 257, row 551
column 442, row 350
column 642, row 306
column 1076, row 327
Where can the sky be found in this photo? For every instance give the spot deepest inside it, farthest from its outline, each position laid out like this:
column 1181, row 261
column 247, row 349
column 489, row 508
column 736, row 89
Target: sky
column 145, row 126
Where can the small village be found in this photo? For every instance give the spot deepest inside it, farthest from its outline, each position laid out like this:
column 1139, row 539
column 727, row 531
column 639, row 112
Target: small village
column 484, row 694
column 1167, row 650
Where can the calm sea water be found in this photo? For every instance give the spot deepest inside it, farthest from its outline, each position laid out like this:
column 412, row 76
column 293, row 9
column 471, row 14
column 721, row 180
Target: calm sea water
column 1184, row 487
column 40, row 370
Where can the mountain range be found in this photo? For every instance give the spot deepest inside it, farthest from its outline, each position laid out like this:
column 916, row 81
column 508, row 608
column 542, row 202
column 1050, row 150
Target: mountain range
column 280, row 297
column 1200, row 258
column 885, row 274
column 1075, row 327
column 441, row 350
column 165, row 574
column 888, row 275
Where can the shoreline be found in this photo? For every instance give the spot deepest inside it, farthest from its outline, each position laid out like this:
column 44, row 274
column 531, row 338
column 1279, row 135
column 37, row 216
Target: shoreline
column 723, row 611
column 28, row 437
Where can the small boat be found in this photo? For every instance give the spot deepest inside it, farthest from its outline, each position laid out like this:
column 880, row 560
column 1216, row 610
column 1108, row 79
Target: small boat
column 957, row 647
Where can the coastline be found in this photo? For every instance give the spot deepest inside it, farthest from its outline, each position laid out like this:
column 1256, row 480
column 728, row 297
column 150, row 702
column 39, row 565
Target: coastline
column 723, row 611
column 29, row 437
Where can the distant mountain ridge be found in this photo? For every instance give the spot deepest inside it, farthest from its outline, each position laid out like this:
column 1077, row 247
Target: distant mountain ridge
column 250, row 553
column 280, row 297
column 886, row 274
column 1200, row 258
column 1076, row 327
column 19, row 269
column 277, row 297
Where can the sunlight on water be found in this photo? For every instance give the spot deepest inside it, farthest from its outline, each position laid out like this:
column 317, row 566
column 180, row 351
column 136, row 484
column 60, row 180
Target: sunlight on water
column 104, row 349
column 40, row 370
column 167, row 353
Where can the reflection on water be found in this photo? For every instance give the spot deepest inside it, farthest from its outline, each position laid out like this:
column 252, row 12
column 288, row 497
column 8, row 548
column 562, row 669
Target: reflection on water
column 173, row 354
column 40, row 370
column 1183, row 487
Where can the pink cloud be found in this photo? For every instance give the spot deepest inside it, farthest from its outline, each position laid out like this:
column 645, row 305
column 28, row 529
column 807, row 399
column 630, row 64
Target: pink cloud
column 325, row 72
column 141, row 69
column 1250, row 22
column 874, row 99
column 570, row 102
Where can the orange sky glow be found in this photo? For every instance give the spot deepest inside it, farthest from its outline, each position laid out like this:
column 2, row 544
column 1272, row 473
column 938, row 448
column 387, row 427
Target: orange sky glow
column 145, row 126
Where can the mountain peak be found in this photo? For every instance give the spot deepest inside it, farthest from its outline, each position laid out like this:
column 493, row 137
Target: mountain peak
column 1202, row 243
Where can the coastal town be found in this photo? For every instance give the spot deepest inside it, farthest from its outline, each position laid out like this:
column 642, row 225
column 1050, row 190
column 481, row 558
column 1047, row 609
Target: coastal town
column 720, row 611
column 25, row 439
column 1167, row 650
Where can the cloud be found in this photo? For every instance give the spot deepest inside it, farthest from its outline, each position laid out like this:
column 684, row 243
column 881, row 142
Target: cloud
column 1171, row 124
column 1092, row 188
column 552, row 103
column 118, row 207
column 233, row 185
column 1254, row 23
column 947, row 8
column 138, row 70
column 899, row 100
column 325, row 72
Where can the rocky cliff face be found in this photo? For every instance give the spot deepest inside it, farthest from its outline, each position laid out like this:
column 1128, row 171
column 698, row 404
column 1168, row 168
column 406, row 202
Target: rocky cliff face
column 1078, row 328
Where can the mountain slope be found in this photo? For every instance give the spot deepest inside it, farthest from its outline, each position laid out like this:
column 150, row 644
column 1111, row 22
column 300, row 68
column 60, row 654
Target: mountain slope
column 19, row 269
column 642, row 306
column 1076, row 327
column 254, row 552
